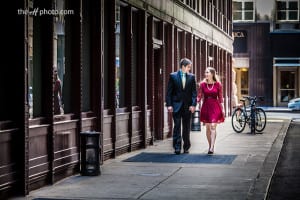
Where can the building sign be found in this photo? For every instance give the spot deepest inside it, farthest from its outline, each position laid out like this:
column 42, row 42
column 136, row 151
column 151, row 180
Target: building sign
column 240, row 41
column 239, row 34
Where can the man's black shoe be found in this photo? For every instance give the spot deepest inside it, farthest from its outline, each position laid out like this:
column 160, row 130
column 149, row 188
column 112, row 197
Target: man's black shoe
column 177, row 151
column 186, row 151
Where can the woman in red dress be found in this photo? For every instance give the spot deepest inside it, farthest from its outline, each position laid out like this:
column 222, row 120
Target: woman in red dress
column 212, row 109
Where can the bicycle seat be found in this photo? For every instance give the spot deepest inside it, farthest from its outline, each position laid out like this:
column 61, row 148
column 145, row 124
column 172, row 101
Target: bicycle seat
column 261, row 98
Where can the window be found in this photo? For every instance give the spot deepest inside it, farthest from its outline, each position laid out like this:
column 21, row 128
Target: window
column 179, row 46
column 86, row 56
column 244, row 81
column 134, row 53
column 118, row 46
column 35, row 50
column 243, row 11
column 287, row 10
column 121, row 28
column 30, row 61
column 59, row 59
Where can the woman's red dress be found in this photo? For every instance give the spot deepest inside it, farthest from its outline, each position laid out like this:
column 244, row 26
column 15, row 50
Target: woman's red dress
column 211, row 109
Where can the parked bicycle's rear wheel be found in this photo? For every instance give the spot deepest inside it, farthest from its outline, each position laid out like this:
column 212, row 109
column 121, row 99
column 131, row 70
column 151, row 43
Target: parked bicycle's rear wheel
column 260, row 120
column 238, row 120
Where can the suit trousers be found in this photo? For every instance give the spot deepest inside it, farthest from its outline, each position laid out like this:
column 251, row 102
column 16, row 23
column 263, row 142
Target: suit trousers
column 183, row 116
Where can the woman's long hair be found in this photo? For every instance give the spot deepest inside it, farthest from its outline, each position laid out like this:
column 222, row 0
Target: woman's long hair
column 214, row 73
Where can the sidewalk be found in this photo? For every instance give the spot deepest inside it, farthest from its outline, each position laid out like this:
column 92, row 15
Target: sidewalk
column 276, row 109
column 247, row 177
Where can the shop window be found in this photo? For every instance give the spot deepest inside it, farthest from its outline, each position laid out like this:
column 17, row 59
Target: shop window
column 287, row 10
column 106, row 70
column 30, row 61
column 287, row 85
column 62, row 59
column 120, row 55
column 243, row 10
column 134, row 53
column 118, row 37
column 34, row 64
column 59, row 59
column 86, row 56
column 38, row 56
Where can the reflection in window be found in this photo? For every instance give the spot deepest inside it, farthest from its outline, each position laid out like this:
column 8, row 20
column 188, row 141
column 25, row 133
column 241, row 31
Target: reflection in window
column 287, row 85
column 287, row 10
column 34, row 63
column 120, row 55
column 59, row 59
column 30, row 61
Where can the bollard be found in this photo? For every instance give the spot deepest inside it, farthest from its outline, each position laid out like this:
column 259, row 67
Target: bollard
column 196, row 125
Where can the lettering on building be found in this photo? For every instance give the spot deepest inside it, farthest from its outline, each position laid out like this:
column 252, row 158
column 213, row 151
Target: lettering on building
column 239, row 34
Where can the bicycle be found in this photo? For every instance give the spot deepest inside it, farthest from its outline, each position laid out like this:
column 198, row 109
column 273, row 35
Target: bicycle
column 254, row 116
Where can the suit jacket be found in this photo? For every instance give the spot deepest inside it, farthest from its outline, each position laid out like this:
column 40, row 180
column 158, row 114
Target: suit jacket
column 177, row 96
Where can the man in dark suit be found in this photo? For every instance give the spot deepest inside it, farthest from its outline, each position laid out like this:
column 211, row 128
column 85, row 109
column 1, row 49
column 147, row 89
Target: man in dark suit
column 181, row 100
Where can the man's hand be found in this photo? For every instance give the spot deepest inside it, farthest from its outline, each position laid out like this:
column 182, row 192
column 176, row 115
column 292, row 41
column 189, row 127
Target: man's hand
column 170, row 108
column 192, row 109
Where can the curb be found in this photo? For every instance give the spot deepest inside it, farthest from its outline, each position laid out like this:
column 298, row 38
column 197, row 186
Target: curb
column 260, row 187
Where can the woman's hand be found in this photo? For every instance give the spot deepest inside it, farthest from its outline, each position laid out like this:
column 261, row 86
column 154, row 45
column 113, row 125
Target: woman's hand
column 192, row 109
column 223, row 110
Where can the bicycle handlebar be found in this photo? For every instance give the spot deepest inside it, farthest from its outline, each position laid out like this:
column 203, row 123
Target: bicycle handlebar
column 261, row 98
column 252, row 99
column 249, row 97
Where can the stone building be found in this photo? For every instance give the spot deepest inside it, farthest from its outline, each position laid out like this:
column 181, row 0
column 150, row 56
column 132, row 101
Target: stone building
column 112, row 59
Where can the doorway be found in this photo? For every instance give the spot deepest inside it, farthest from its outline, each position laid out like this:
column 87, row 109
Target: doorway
column 287, row 85
column 242, row 82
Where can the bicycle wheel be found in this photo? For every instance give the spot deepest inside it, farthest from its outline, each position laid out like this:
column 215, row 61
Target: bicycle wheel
column 260, row 119
column 238, row 120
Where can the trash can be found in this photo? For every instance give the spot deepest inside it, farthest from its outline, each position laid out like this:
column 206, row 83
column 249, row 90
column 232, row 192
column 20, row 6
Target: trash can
column 90, row 153
column 196, row 125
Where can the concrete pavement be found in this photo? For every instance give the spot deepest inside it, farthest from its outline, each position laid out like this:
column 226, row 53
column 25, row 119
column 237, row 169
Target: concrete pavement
column 247, row 177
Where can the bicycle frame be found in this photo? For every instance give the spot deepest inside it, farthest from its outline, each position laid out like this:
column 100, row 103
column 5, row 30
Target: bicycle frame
column 249, row 114
column 244, row 114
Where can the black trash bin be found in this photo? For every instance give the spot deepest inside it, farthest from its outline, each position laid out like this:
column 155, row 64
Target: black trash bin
column 90, row 153
column 196, row 125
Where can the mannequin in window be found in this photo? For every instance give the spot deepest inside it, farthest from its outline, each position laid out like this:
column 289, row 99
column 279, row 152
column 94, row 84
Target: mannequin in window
column 57, row 94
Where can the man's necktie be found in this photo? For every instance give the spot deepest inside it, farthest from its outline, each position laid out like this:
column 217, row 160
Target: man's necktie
column 183, row 79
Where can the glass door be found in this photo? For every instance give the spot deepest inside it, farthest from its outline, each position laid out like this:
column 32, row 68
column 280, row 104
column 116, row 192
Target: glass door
column 287, row 86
